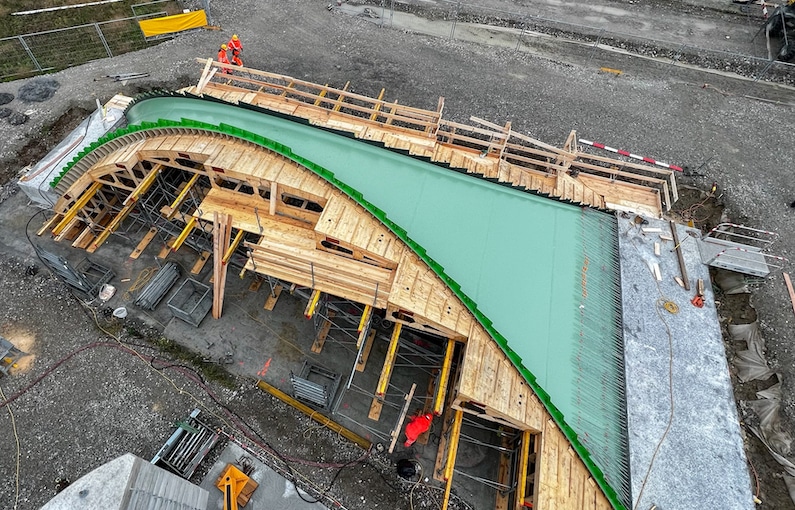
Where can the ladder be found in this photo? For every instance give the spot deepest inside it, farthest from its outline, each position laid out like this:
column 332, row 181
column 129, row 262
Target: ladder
column 741, row 249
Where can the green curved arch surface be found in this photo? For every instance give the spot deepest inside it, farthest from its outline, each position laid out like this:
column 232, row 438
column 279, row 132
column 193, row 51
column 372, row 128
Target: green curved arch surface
column 539, row 274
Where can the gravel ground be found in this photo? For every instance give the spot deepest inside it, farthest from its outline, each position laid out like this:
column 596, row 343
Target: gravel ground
column 705, row 122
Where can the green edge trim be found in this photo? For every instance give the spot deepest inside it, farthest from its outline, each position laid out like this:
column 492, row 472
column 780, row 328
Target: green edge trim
column 401, row 233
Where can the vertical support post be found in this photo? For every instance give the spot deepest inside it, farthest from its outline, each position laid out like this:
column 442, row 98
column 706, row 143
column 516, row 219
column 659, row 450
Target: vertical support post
column 312, row 304
column 441, row 392
column 389, row 362
column 206, row 7
column 596, row 44
column 521, row 34
column 452, row 450
column 524, row 457
column 273, row 200
column 455, row 20
column 102, row 38
column 222, row 232
column 30, row 53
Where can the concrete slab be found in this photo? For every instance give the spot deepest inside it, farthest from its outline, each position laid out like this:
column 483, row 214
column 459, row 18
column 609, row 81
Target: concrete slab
column 274, row 491
column 685, row 443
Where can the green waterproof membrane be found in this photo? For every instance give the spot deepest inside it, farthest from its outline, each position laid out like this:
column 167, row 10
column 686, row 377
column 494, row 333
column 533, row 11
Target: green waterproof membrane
column 540, row 275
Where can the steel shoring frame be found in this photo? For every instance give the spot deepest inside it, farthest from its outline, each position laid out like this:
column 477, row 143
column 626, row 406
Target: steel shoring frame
column 434, row 360
column 361, row 391
column 473, row 440
column 375, row 432
column 470, row 422
column 510, row 452
column 485, row 481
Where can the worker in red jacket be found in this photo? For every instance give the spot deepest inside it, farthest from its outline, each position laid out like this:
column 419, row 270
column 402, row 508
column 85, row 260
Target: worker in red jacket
column 223, row 59
column 418, row 425
column 235, row 45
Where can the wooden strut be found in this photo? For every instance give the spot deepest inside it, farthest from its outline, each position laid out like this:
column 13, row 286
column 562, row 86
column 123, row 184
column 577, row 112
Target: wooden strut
column 399, row 425
column 680, row 256
column 788, row 283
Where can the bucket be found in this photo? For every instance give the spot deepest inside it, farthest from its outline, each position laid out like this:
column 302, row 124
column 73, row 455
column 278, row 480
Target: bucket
column 120, row 312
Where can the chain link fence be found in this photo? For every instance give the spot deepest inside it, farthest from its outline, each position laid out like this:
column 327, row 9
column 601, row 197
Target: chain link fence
column 52, row 50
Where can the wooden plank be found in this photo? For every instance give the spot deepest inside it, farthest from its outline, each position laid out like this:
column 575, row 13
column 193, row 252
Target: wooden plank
column 84, row 239
column 218, row 225
column 256, row 284
column 788, row 283
column 167, row 248
column 320, row 339
column 361, row 363
column 199, row 264
column 222, row 232
column 399, row 425
column 144, row 243
column 48, row 224
column 270, row 303
column 679, row 255
column 375, row 409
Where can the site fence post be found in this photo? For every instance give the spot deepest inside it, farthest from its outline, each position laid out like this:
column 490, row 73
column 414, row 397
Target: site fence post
column 521, row 34
column 30, row 53
column 206, row 7
column 102, row 38
column 391, row 12
column 675, row 58
column 455, row 20
column 596, row 44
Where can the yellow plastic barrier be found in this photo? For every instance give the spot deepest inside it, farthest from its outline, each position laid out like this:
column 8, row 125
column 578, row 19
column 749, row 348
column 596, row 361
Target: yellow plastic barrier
column 175, row 23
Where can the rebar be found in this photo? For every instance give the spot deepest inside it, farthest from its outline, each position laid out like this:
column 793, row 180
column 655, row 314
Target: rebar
column 158, row 287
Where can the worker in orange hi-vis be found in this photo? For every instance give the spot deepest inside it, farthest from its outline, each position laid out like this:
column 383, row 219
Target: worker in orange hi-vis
column 235, row 45
column 418, row 425
column 223, row 58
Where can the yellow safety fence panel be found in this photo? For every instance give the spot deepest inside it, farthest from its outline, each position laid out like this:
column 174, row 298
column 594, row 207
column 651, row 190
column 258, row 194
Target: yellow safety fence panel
column 175, row 23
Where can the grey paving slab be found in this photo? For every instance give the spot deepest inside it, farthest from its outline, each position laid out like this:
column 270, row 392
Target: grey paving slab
column 694, row 457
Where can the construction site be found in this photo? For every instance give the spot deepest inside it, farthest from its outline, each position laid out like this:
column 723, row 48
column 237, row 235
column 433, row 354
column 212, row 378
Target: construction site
column 550, row 305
